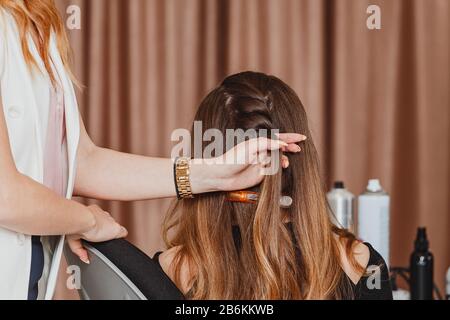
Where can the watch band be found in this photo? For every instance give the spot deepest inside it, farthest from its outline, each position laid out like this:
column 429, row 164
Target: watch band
column 182, row 178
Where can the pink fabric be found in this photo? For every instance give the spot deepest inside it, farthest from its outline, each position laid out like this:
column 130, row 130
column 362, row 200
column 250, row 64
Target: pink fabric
column 55, row 158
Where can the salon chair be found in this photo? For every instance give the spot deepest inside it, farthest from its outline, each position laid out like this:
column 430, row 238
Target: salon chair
column 120, row 271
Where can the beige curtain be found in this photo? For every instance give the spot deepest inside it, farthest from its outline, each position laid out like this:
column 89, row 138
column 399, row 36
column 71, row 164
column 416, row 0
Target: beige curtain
column 378, row 100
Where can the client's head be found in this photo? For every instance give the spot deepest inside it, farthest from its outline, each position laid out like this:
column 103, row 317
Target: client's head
column 259, row 250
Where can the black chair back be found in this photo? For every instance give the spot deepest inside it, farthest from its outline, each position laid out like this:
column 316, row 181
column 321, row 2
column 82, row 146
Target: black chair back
column 118, row 271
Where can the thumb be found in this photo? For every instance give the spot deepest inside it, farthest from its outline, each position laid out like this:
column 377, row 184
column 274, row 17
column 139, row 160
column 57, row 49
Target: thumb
column 77, row 248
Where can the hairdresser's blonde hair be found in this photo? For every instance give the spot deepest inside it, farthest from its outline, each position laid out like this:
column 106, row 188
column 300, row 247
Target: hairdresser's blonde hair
column 43, row 16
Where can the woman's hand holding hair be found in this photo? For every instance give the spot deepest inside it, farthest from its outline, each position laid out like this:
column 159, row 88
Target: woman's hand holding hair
column 241, row 167
column 133, row 178
column 104, row 229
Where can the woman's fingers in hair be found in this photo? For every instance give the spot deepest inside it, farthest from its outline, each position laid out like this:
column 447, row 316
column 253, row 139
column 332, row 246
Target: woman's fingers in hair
column 258, row 150
column 264, row 158
column 291, row 138
column 260, row 145
column 284, row 162
column 288, row 145
column 292, row 148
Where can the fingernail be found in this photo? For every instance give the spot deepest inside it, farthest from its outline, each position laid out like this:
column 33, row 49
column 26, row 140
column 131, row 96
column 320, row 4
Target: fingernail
column 299, row 149
column 86, row 261
column 304, row 138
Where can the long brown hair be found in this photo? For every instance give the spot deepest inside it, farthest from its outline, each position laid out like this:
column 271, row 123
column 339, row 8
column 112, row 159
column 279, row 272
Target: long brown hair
column 271, row 259
column 44, row 18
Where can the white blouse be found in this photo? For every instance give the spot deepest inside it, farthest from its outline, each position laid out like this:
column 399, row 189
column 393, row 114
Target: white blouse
column 26, row 100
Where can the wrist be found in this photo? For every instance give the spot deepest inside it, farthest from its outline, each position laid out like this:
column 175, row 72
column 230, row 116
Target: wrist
column 201, row 176
column 89, row 222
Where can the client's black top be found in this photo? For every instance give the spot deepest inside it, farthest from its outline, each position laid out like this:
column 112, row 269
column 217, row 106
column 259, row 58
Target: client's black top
column 373, row 286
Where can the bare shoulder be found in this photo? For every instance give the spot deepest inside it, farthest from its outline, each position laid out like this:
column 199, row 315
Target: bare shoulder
column 361, row 254
column 168, row 260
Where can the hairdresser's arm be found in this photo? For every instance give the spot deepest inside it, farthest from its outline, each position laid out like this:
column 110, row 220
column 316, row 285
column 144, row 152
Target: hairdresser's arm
column 30, row 208
column 111, row 175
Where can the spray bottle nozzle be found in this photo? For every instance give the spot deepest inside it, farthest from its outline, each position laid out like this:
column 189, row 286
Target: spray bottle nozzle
column 421, row 243
column 339, row 185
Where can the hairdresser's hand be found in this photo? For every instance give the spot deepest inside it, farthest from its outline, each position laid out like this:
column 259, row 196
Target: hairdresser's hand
column 243, row 166
column 104, row 229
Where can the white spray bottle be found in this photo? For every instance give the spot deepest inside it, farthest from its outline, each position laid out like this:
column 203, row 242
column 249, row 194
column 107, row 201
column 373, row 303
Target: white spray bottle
column 374, row 218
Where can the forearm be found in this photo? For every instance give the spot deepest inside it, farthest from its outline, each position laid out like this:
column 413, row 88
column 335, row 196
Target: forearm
column 30, row 208
column 111, row 175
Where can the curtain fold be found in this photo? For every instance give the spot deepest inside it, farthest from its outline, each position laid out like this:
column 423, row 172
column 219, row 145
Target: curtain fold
column 378, row 100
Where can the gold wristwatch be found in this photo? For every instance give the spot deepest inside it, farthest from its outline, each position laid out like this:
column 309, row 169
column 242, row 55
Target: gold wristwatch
column 182, row 181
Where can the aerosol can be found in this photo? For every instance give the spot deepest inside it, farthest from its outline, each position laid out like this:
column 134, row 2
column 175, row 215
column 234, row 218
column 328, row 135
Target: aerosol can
column 341, row 203
column 373, row 218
